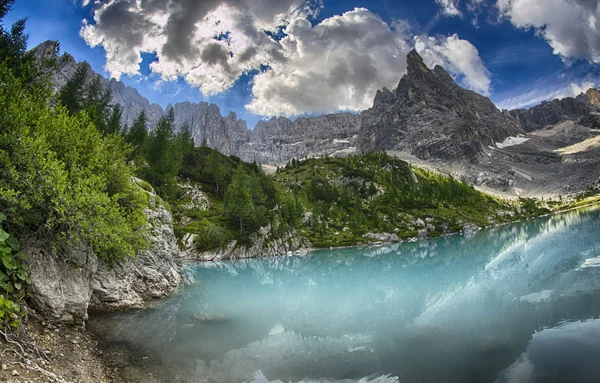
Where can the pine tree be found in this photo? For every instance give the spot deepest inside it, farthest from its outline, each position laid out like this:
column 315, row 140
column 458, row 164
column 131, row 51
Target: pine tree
column 97, row 103
column 113, row 125
column 72, row 93
column 184, row 139
column 138, row 135
column 238, row 199
column 162, row 155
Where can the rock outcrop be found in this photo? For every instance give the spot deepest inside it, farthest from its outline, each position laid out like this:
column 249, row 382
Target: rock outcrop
column 61, row 277
column 432, row 118
column 155, row 273
column 209, row 128
column 69, row 280
column 263, row 245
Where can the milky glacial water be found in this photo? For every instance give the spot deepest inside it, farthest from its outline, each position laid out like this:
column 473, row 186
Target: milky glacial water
column 517, row 303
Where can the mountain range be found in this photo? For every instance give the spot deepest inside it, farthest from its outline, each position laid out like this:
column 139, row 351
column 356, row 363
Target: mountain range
column 549, row 149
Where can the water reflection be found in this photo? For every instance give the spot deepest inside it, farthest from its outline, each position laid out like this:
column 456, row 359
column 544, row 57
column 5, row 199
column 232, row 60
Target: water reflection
column 446, row 310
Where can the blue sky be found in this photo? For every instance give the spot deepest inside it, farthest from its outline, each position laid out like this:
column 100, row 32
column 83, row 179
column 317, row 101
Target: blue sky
column 496, row 47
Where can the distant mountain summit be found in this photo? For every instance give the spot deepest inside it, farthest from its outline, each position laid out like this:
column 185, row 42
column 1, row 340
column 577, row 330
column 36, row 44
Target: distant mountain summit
column 583, row 109
column 429, row 116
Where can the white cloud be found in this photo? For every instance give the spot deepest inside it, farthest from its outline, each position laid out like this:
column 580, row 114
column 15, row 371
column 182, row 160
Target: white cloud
column 459, row 57
column 571, row 27
column 536, row 96
column 337, row 64
column 449, row 7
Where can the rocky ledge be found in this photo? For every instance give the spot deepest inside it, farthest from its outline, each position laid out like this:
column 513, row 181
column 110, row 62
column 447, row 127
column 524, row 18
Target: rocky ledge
column 69, row 280
column 264, row 244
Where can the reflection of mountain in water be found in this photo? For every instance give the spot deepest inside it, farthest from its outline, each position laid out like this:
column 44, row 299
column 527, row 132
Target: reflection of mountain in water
column 466, row 306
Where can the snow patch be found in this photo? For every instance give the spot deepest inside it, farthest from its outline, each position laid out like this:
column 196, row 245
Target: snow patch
column 512, row 141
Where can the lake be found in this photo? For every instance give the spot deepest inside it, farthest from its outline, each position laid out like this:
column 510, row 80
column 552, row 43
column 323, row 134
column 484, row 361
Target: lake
column 516, row 303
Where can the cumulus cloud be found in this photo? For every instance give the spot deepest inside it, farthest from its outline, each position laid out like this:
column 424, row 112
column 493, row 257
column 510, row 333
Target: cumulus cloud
column 336, row 64
column 571, row 27
column 458, row 57
column 449, row 7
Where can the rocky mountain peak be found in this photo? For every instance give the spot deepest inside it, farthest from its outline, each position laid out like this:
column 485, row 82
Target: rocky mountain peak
column 593, row 96
column 433, row 118
column 414, row 63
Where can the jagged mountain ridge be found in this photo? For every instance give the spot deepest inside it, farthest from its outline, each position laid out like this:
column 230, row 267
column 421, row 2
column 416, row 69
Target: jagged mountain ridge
column 271, row 142
column 583, row 109
column 429, row 116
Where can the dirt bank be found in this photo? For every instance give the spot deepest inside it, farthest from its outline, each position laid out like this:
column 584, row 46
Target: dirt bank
column 42, row 352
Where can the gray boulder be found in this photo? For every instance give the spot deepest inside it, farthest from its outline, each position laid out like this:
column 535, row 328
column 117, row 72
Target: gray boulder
column 60, row 287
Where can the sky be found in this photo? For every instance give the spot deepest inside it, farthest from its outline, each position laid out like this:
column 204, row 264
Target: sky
column 263, row 58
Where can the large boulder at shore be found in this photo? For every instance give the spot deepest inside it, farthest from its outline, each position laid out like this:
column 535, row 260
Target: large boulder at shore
column 154, row 274
column 69, row 280
column 60, row 287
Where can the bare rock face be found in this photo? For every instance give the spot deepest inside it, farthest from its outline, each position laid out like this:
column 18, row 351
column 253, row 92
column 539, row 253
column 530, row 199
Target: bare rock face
column 68, row 281
column 278, row 140
column 431, row 117
column 263, row 245
column 582, row 109
column 209, row 128
column 60, row 285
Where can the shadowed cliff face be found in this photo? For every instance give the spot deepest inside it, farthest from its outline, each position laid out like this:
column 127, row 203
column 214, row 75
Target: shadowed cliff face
column 431, row 117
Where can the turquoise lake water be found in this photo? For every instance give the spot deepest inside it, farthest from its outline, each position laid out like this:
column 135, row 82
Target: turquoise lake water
column 517, row 303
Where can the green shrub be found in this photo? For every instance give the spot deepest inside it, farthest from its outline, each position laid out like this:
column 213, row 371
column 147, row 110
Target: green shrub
column 13, row 278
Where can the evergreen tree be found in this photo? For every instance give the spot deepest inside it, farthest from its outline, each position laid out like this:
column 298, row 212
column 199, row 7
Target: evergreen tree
column 113, row 125
column 97, row 103
column 72, row 93
column 184, row 140
column 238, row 198
column 162, row 155
column 138, row 135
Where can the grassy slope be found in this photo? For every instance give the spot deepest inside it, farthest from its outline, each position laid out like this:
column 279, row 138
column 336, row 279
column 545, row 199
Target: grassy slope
column 402, row 195
column 348, row 198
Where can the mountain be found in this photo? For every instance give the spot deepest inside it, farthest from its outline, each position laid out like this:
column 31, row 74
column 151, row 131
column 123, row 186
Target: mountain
column 272, row 142
column 209, row 127
column 432, row 118
column 583, row 109
column 131, row 101
column 278, row 140
column 552, row 148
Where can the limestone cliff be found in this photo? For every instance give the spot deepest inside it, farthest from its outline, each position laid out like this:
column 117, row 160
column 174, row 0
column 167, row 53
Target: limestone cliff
column 278, row 140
